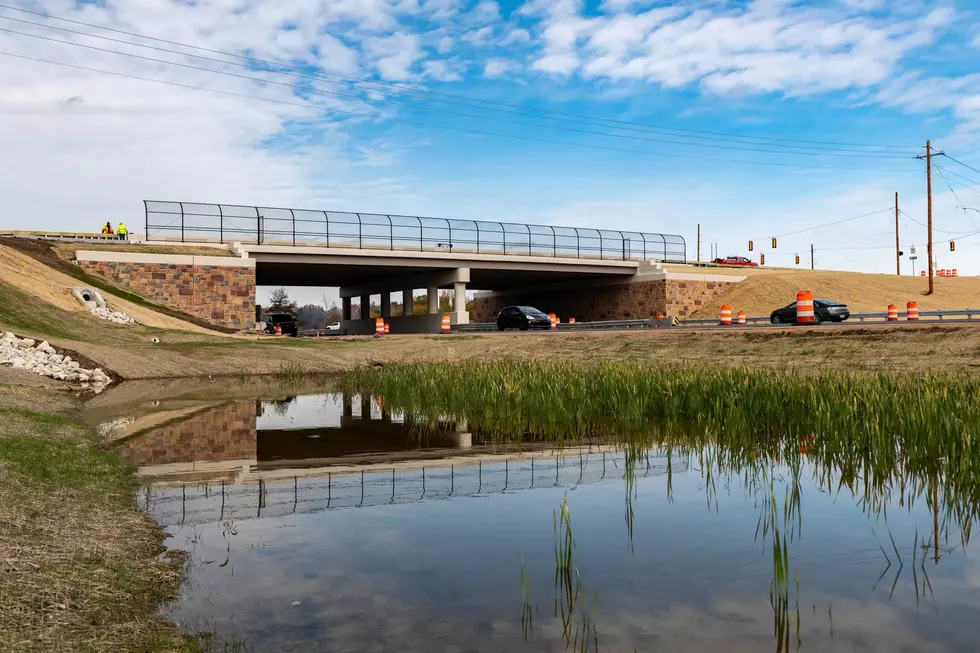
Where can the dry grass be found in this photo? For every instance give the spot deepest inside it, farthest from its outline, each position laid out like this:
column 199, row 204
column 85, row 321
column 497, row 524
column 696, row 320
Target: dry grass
column 79, row 567
column 765, row 290
column 66, row 251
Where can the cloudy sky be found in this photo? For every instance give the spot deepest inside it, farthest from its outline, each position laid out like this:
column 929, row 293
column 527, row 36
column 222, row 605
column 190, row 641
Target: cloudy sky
column 754, row 118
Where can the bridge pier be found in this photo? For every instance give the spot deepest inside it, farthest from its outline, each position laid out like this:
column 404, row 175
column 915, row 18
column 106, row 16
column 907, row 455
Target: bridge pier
column 345, row 308
column 408, row 322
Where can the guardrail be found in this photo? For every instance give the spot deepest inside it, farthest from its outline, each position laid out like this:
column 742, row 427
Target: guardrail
column 960, row 315
column 226, row 223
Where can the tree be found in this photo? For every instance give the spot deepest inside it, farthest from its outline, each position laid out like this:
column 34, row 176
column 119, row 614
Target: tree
column 311, row 316
column 279, row 302
column 334, row 314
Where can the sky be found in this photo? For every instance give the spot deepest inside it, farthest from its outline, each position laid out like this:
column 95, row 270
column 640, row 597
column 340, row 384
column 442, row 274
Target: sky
column 753, row 119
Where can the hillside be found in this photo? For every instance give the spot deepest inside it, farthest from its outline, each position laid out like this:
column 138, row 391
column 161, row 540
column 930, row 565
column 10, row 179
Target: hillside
column 765, row 290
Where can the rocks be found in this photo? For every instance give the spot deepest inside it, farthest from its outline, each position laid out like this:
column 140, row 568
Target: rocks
column 112, row 316
column 43, row 359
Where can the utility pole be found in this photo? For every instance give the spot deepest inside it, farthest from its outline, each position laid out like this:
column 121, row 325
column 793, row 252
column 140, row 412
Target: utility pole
column 811, row 257
column 898, row 251
column 928, row 158
column 699, row 242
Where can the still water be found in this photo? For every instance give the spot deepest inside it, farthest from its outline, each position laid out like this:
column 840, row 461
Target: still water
column 323, row 521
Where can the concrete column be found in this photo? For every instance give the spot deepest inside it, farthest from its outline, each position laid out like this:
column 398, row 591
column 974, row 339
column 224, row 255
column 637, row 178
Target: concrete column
column 433, row 297
column 408, row 302
column 348, row 406
column 365, row 306
column 459, row 297
column 386, row 305
column 346, row 308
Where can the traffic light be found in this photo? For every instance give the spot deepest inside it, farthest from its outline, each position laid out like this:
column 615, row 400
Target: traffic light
column 797, row 259
column 774, row 243
column 762, row 259
column 751, row 247
column 952, row 245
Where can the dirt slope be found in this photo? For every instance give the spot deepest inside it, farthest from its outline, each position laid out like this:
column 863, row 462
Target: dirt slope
column 764, row 290
column 35, row 278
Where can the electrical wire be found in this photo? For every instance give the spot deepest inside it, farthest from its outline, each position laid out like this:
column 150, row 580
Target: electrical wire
column 961, row 163
column 958, row 200
column 827, row 224
column 388, row 85
column 942, row 231
column 532, row 139
column 422, row 108
column 948, row 171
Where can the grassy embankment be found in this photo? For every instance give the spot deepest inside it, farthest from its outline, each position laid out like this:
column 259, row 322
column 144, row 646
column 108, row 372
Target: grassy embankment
column 79, row 566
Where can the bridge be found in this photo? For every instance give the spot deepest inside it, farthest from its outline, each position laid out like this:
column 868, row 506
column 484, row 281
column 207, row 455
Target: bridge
column 377, row 255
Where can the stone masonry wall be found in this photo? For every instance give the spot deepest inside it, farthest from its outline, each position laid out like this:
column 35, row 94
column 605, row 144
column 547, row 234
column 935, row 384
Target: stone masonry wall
column 221, row 295
column 624, row 301
column 215, row 435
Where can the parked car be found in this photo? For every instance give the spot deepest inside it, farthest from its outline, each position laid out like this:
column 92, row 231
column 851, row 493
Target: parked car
column 334, row 327
column 284, row 320
column 824, row 310
column 736, row 260
column 523, row 318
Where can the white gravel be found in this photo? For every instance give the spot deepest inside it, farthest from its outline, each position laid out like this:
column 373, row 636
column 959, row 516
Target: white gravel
column 41, row 358
column 112, row 316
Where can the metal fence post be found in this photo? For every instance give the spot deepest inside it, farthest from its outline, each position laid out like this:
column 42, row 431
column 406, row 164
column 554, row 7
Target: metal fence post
column 644, row 245
column 221, row 225
column 293, row 215
column 258, row 227
column 421, row 235
column 327, row 218
column 578, row 244
column 360, row 243
column 181, row 221
column 450, row 225
column 146, row 219
column 528, row 227
column 477, row 225
column 602, row 247
column 554, row 243
column 391, row 234
column 623, row 239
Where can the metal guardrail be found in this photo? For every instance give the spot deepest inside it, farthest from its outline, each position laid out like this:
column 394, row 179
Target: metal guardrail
column 226, row 223
column 967, row 314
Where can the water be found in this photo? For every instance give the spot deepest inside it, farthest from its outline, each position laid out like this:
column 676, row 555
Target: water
column 324, row 522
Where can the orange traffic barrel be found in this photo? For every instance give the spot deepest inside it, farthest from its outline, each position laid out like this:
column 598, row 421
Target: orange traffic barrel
column 379, row 326
column 892, row 313
column 940, row 273
column 554, row 320
column 740, row 318
column 804, row 307
column 922, row 273
column 912, row 312
column 387, row 328
column 571, row 320
column 446, row 324
column 726, row 315
column 956, row 272
column 278, row 330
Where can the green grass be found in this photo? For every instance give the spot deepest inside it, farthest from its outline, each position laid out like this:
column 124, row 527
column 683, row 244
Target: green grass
column 885, row 434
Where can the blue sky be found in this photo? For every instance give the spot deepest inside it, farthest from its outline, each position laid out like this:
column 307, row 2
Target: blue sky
column 716, row 78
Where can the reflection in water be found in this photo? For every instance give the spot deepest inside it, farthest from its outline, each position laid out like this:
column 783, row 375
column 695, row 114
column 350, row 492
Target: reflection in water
column 333, row 522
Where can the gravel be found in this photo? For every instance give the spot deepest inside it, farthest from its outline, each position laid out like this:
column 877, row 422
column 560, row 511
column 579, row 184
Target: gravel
column 41, row 358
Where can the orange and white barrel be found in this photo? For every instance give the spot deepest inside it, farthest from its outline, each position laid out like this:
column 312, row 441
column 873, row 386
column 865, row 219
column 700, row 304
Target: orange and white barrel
column 804, row 307
column 912, row 312
column 554, row 320
column 726, row 315
column 387, row 328
column 892, row 313
column 956, row 272
column 940, row 273
column 446, row 324
column 922, row 273
column 379, row 326
column 740, row 317
column 571, row 320
column 278, row 330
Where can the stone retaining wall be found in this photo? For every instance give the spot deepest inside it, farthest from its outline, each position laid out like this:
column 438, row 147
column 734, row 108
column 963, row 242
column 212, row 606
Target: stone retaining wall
column 219, row 290
column 623, row 301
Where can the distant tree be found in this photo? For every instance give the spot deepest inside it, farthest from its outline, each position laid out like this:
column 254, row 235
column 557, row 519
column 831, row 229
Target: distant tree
column 311, row 316
column 334, row 314
column 279, row 302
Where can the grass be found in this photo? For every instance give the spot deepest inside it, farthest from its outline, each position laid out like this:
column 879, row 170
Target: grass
column 79, row 565
column 882, row 433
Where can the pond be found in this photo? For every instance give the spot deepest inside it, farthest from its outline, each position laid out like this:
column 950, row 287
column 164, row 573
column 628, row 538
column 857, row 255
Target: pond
column 346, row 520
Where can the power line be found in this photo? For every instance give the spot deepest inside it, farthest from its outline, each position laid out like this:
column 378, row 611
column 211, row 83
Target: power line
column 958, row 200
column 967, row 180
column 942, row 231
column 420, row 108
column 388, row 85
column 828, row 224
column 445, row 127
column 961, row 163
column 415, row 106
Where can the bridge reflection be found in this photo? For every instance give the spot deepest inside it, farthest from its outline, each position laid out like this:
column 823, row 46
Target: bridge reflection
column 256, row 458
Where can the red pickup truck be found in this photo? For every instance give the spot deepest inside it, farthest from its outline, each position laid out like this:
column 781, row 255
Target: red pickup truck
column 735, row 260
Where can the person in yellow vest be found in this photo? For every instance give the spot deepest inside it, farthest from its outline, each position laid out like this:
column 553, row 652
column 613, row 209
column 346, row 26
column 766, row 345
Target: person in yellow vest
column 121, row 231
column 107, row 229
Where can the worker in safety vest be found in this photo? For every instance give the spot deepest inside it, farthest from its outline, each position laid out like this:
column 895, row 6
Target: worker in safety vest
column 107, row 229
column 121, row 231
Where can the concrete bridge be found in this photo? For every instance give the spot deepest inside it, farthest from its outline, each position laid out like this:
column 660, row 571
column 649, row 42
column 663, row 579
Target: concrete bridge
column 576, row 272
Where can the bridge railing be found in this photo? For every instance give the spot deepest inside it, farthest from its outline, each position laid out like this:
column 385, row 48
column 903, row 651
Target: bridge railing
column 226, row 223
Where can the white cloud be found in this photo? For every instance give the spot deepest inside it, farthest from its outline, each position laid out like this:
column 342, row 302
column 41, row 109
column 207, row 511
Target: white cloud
column 394, row 55
column 443, row 70
column 482, row 36
column 516, row 36
column 496, row 68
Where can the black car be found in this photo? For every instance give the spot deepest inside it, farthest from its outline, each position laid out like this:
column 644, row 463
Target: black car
column 824, row 310
column 285, row 321
column 523, row 318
